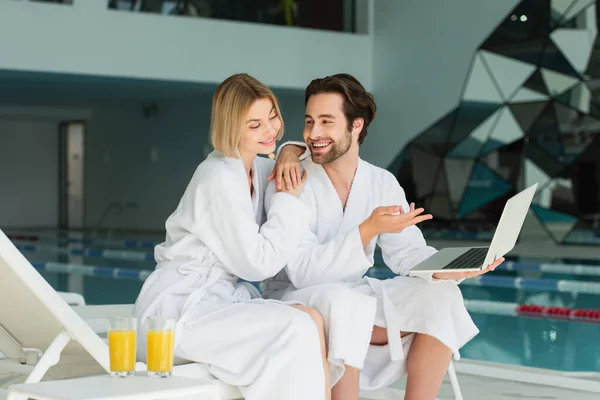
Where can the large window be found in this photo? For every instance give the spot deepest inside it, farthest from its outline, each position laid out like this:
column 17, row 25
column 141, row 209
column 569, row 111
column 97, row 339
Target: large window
column 334, row 15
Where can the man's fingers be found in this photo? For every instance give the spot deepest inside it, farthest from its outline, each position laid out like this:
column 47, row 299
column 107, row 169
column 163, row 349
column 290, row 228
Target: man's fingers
column 387, row 210
column 450, row 275
column 278, row 180
column 288, row 182
column 291, row 174
column 415, row 221
column 298, row 174
column 416, row 212
column 423, row 218
column 272, row 176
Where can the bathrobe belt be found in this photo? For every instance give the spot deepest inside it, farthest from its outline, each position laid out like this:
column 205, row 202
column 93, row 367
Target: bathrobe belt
column 391, row 319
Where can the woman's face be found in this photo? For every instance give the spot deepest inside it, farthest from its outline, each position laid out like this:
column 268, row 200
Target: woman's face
column 260, row 128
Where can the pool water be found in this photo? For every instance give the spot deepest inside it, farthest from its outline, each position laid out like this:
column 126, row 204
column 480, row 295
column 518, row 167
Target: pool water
column 535, row 342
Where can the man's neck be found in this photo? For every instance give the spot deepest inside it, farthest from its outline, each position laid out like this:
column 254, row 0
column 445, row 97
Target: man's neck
column 341, row 171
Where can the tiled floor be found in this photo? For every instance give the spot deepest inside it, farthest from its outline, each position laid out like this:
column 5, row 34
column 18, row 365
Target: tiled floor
column 478, row 388
column 475, row 387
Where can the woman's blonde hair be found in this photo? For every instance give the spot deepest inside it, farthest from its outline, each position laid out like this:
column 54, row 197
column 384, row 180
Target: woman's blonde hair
column 231, row 102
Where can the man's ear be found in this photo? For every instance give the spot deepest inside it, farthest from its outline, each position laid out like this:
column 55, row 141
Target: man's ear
column 357, row 126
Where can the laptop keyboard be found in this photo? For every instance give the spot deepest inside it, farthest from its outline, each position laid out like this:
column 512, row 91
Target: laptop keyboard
column 472, row 258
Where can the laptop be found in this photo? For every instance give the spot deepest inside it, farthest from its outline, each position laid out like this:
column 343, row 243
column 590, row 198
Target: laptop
column 468, row 259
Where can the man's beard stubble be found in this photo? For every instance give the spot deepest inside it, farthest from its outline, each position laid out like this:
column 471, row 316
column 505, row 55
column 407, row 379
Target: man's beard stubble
column 337, row 150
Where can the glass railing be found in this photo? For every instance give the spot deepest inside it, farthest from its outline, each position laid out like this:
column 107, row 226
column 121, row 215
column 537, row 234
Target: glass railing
column 332, row 15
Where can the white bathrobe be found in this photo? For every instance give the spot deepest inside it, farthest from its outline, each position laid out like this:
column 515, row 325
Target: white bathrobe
column 214, row 237
column 328, row 270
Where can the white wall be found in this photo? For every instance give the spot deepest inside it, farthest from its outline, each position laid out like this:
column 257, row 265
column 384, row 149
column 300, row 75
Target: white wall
column 87, row 38
column 422, row 52
column 28, row 174
column 119, row 165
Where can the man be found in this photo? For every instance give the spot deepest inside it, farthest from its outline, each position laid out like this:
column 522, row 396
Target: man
column 377, row 330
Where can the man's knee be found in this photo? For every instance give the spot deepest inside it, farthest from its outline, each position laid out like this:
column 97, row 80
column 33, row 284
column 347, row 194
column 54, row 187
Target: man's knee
column 440, row 294
column 340, row 298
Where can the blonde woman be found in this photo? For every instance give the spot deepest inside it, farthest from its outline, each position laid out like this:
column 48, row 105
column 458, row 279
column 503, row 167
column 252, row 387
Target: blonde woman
column 219, row 234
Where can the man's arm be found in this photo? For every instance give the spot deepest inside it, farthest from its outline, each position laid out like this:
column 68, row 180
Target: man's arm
column 287, row 165
column 403, row 251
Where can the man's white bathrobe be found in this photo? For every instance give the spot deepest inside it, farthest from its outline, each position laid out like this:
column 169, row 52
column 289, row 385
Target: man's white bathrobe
column 328, row 270
column 214, row 237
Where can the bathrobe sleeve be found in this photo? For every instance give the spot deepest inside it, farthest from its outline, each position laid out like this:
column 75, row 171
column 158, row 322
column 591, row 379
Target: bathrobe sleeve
column 405, row 250
column 228, row 226
column 339, row 259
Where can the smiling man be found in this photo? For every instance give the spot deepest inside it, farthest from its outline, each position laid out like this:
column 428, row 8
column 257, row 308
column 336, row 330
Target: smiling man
column 377, row 330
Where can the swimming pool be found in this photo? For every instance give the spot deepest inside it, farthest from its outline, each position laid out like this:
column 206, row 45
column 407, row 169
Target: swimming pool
column 112, row 272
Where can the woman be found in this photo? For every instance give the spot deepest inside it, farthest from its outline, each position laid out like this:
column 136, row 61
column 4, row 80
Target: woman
column 269, row 349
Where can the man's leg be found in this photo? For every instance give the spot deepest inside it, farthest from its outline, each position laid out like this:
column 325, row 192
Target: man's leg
column 347, row 387
column 426, row 365
column 436, row 313
column 348, row 333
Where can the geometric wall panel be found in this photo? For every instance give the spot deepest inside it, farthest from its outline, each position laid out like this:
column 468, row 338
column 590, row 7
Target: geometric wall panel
column 569, row 42
column 506, row 131
column 508, row 74
column 480, row 85
column 526, row 95
column 575, row 9
column 556, row 82
column 529, row 112
column 458, row 170
column 483, row 187
column 471, row 145
column 558, row 224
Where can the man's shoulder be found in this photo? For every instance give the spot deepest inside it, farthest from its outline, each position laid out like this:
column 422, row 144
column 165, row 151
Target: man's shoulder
column 378, row 174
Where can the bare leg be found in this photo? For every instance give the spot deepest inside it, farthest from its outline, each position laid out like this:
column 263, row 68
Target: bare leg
column 318, row 318
column 426, row 366
column 347, row 387
column 379, row 336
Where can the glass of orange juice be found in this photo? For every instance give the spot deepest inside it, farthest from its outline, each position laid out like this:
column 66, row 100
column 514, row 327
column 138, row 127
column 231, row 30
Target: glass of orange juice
column 122, row 346
column 159, row 353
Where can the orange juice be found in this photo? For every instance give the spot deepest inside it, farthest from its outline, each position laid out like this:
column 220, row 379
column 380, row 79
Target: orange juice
column 160, row 350
column 121, row 344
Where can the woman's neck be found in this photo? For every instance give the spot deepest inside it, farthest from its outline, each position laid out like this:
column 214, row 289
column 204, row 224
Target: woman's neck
column 248, row 159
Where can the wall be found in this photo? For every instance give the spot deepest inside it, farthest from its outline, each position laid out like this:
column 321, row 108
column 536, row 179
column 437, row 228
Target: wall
column 149, row 161
column 130, row 159
column 89, row 39
column 28, row 173
column 421, row 56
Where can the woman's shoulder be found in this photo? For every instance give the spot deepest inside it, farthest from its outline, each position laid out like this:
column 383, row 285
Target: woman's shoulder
column 218, row 169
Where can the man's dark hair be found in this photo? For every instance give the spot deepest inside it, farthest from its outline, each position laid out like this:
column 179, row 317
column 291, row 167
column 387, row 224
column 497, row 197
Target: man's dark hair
column 358, row 103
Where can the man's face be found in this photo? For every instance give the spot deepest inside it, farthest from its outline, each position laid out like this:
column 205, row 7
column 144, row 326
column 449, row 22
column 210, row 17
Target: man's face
column 325, row 128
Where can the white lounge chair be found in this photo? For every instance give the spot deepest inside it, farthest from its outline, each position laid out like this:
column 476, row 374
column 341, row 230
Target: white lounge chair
column 72, row 299
column 43, row 338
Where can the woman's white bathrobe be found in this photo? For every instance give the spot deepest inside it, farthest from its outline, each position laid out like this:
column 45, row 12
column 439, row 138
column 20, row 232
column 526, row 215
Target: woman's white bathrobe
column 327, row 273
column 214, row 237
